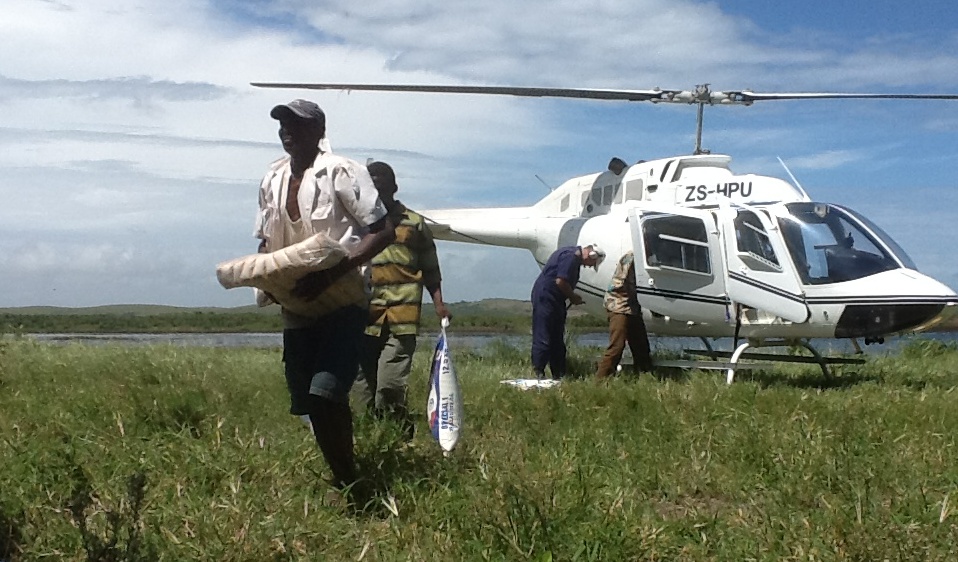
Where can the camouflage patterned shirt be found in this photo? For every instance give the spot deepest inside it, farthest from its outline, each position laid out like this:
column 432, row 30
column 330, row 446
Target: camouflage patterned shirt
column 620, row 297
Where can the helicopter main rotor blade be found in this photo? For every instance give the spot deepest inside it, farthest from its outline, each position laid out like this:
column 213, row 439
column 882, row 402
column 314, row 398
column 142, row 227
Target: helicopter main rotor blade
column 747, row 96
column 701, row 94
column 623, row 95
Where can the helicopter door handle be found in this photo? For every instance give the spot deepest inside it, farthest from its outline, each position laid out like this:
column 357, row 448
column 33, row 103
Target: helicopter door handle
column 651, row 282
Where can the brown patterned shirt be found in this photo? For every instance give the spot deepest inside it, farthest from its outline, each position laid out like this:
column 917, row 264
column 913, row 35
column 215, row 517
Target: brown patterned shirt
column 620, row 297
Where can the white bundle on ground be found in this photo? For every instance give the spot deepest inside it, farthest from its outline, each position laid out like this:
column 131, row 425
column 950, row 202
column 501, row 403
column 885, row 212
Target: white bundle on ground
column 444, row 407
column 277, row 273
column 526, row 384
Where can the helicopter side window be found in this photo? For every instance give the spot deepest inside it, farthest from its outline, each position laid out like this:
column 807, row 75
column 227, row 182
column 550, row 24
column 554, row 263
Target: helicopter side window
column 665, row 170
column 633, row 190
column 619, row 193
column 675, row 242
column 752, row 240
column 564, row 204
column 586, row 206
column 596, row 196
column 608, row 193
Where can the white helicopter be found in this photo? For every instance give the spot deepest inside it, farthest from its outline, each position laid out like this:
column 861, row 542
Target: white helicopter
column 718, row 254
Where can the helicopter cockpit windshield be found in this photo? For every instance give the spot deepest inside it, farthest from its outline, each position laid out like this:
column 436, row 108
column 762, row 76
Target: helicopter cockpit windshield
column 831, row 244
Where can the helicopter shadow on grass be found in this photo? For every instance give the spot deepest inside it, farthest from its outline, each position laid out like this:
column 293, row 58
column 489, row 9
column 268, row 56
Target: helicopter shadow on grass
column 582, row 368
column 811, row 380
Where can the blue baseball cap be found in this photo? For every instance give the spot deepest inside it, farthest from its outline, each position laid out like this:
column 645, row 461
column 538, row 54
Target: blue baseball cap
column 302, row 109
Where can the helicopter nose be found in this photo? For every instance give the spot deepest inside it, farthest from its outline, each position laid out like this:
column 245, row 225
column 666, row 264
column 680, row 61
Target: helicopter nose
column 945, row 321
column 922, row 304
column 883, row 319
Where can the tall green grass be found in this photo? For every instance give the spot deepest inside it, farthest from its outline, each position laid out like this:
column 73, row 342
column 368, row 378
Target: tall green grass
column 170, row 453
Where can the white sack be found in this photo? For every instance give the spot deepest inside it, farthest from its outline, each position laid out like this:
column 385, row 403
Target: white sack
column 444, row 407
column 277, row 272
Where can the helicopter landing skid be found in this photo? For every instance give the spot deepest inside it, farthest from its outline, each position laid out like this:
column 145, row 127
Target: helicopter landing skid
column 732, row 365
column 710, row 365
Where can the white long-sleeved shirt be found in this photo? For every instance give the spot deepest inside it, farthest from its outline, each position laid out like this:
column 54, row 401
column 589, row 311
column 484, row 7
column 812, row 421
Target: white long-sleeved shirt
column 336, row 197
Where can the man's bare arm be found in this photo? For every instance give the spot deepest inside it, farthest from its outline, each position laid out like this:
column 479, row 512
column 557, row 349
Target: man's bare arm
column 380, row 234
column 436, row 293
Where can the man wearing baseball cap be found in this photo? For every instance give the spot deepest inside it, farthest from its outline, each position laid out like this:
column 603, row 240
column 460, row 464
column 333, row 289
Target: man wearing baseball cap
column 311, row 191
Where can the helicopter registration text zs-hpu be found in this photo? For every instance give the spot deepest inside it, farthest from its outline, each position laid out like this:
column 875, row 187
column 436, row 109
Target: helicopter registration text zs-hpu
column 717, row 254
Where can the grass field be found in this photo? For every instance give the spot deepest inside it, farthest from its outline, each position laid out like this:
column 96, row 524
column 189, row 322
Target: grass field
column 170, row 453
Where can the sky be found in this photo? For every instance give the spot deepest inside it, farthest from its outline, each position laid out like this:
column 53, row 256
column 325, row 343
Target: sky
column 132, row 145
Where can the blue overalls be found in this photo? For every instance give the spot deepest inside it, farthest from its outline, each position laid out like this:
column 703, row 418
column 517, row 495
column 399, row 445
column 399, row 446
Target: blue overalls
column 549, row 311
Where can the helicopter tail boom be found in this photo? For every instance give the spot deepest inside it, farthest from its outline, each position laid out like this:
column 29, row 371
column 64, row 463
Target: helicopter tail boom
column 495, row 227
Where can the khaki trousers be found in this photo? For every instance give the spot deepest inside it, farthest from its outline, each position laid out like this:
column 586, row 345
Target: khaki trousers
column 384, row 363
column 625, row 328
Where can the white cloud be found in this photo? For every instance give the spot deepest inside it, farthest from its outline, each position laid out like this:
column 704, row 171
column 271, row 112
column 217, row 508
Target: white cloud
column 826, row 160
column 129, row 129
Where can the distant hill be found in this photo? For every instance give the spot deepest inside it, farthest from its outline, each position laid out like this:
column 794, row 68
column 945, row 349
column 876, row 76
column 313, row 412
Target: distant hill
column 492, row 307
column 499, row 315
column 130, row 310
column 487, row 314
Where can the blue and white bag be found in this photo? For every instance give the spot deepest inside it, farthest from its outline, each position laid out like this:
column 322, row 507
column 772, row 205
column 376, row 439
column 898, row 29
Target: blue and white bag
column 444, row 408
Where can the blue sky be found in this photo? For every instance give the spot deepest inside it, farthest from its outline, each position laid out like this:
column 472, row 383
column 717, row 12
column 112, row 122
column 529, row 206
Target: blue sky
column 131, row 144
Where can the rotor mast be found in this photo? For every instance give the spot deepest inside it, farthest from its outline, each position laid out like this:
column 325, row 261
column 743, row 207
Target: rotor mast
column 698, row 131
column 701, row 96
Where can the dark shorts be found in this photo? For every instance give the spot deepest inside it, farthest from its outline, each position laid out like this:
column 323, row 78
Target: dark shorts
column 323, row 360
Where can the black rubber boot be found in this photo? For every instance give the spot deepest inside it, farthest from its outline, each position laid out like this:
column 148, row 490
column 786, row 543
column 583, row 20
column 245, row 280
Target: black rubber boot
column 333, row 429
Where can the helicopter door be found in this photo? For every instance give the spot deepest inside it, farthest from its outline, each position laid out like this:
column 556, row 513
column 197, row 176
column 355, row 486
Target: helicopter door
column 679, row 268
column 760, row 274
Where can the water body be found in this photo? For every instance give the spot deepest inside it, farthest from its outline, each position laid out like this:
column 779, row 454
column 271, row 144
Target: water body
column 476, row 342
column 275, row 340
column 256, row 340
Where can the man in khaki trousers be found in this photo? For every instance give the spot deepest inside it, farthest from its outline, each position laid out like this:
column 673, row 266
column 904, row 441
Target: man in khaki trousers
column 625, row 321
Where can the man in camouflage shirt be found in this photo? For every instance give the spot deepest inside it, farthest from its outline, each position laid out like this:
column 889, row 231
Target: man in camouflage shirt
column 398, row 275
column 625, row 321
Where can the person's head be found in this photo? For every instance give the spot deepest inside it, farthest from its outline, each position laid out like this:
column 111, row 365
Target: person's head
column 592, row 256
column 301, row 126
column 384, row 178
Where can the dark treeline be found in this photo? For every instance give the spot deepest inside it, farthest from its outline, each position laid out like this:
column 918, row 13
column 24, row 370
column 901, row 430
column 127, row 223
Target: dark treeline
column 470, row 317
column 467, row 317
column 178, row 322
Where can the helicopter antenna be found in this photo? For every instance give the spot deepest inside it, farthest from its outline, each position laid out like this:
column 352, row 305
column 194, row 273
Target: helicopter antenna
column 794, row 179
column 549, row 187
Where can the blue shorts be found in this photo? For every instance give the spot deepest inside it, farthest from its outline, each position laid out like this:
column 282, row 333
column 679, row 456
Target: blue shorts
column 323, row 360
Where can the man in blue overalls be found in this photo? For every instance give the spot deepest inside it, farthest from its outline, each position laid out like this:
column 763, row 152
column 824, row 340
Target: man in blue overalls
column 552, row 288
